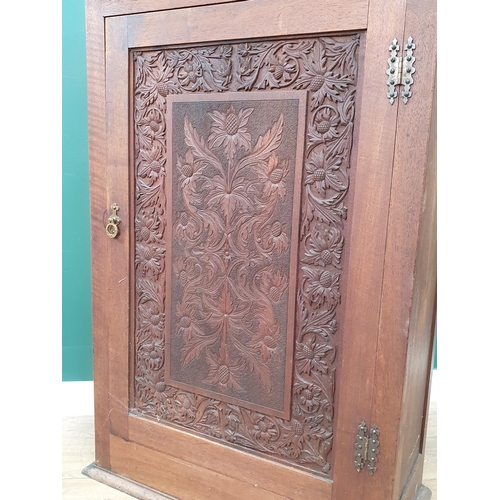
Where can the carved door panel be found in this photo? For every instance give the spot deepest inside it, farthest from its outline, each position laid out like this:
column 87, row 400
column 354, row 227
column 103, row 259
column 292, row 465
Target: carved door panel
column 231, row 150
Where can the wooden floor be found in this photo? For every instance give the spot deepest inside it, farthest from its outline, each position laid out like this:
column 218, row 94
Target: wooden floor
column 78, row 452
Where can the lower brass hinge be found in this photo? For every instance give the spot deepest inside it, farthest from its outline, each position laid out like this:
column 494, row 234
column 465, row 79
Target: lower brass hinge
column 366, row 448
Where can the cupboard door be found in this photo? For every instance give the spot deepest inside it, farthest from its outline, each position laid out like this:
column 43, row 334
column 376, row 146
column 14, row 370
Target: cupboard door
column 235, row 347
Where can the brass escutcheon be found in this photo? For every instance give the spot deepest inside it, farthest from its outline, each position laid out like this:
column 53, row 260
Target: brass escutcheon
column 113, row 221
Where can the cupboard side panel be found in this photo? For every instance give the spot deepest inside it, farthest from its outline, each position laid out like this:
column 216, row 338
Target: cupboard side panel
column 421, row 331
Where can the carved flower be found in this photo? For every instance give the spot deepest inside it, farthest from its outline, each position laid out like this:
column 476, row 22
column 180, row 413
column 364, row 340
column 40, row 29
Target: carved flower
column 266, row 340
column 152, row 163
column 245, row 49
column 223, row 372
column 321, row 286
column 324, row 248
column 186, row 321
column 230, row 422
column 189, row 170
column 162, row 393
column 228, row 130
column 147, row 227
column 300, row 433
column 185, row 406
column 325, row 123
column 229, row 198
column 273, row 177
column 149, row 258
column 152, row 354
column 190, row 72
column 273, row 285
column 151, row 318
column 152, row 124
column 280, row 69
column 186, row 271
column 274, row 238
column 185, row 226
column 264, row 429
column 309, row 356
column 222, row 71
column 320, row 79
column 322, row 173
column 160, row 82
column 226, row 314
column 309, row 397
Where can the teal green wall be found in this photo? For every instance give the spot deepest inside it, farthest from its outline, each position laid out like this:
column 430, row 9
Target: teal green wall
column 76, row 287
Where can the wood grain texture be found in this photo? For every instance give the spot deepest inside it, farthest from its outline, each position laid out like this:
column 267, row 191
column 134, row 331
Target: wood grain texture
column 114, row 8
column 328, row 67
column 252, row 19
column 387, row 297
column 123, row 485
column 222, row 460
column 403, row 346
column 78, row 445
column 366, row 249
column 181, row 479
column 98, row 196
column 117, row 161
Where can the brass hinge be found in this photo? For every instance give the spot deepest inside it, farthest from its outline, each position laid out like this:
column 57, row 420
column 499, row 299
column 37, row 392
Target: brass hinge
column 366, row 448
column 400, row 70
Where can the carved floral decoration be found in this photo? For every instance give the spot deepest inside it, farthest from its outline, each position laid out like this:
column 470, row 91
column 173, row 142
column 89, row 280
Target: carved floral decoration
column 229, row 204
column 326, row 67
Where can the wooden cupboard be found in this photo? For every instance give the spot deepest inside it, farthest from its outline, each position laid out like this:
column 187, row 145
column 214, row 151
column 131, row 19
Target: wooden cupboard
column 263, row 246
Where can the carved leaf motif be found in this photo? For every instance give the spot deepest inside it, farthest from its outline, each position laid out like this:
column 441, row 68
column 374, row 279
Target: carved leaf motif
column 226, row 196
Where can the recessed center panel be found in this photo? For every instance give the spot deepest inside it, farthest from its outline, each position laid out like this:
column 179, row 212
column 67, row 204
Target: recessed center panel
column 233, row 177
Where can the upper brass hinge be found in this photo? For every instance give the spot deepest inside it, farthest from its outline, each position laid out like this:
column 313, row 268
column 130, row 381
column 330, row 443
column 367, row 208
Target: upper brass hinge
column 366, row 448
column 400, row 70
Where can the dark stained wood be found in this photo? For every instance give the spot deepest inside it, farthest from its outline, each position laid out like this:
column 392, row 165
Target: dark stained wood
column 376, row 365
column 304, row 437
column 269, row 295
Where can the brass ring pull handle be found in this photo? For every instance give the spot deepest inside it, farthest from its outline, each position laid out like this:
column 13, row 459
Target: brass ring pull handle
column 113, row 221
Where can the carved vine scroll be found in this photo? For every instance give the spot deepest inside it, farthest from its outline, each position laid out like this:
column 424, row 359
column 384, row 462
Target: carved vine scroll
column 231, row 181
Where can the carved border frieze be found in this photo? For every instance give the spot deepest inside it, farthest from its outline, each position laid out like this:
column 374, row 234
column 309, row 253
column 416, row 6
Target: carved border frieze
column 325, row 67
